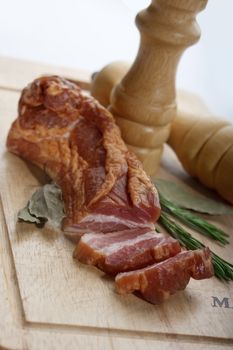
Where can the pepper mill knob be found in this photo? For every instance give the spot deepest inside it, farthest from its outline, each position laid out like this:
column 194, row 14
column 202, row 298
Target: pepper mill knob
column 144, row 102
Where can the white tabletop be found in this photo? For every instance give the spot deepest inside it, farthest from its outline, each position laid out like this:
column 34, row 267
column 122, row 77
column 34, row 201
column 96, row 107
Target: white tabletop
column 89, row 34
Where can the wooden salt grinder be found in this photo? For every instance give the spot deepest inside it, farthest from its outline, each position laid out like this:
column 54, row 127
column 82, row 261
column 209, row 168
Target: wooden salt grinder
column 144, row 102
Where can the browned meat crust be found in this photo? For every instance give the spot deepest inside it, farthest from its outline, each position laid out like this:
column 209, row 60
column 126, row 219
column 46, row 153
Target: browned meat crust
column 76, row 141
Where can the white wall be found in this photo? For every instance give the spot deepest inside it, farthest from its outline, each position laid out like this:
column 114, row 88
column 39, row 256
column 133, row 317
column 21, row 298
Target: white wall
column 90, row 33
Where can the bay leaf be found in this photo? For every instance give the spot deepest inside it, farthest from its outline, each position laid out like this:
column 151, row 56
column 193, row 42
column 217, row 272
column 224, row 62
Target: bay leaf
column 190, row 200
column 45, row 205
column 24, row 215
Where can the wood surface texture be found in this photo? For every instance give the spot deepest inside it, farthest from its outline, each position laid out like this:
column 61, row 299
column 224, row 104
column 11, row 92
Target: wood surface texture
column 203, row 142
column 144, row 102
column 49, row 301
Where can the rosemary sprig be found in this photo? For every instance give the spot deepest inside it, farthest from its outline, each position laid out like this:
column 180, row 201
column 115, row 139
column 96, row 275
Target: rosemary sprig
column 194, row 221
column 223, row 269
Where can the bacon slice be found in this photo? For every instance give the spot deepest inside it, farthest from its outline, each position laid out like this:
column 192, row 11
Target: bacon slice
column 157, row 282
column 125, row 250
column 76, row 141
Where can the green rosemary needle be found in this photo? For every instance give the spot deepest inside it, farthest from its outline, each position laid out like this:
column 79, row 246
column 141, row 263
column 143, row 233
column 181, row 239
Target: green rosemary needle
column 223, row 269
column 194, row 221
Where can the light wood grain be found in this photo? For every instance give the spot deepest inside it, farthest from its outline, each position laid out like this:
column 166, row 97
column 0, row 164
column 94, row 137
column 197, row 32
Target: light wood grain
column 104, row 80
column 204, row 144
column 145, row 97
column 49, row 301
column 15, row 74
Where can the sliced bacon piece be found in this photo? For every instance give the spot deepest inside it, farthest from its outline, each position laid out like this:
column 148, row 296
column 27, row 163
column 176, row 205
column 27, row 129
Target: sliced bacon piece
column 157, row 282
column 76, row 141
column 125, row 250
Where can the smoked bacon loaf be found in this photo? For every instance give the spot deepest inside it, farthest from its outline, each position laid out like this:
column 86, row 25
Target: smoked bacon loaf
column 109, row 200
column 77, row 143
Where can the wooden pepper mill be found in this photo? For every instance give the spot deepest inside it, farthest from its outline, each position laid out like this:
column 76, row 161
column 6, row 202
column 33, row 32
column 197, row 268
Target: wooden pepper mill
column 144, row 102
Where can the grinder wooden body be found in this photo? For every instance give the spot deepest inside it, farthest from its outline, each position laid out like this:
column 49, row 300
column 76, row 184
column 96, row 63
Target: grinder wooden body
column 144, row 102
column 204, row 145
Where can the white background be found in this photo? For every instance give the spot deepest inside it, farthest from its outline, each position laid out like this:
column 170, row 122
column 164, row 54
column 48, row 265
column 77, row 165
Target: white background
column 91, row 33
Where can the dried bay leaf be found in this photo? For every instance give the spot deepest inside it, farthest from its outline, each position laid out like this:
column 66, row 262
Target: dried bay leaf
column 45, row 205
column 189, row 200
column 24, row 215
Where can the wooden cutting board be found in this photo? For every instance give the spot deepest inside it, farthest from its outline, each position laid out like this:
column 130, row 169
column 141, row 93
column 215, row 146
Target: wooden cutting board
column 49, row 301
